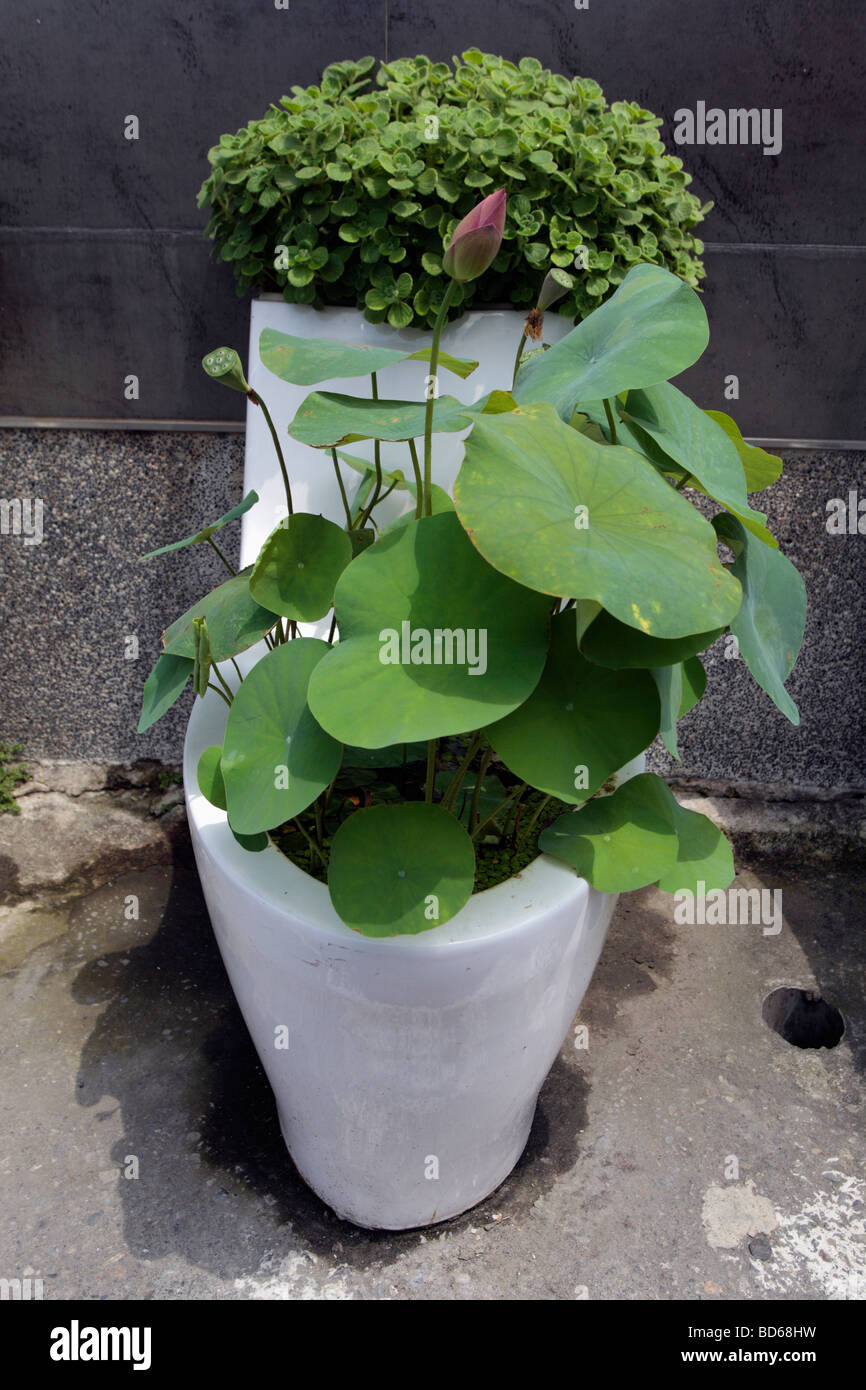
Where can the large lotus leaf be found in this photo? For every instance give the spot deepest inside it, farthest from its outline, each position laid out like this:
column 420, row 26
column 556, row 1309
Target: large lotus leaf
column 326, row 418
column 699, row 446
column 651, row 329
column 234, row 620
column 299, row 565
column 761, row 469
column 439, row 500
column 307, row 361
column 579, row 725
column 608, row 642
column 770, row 625
column 164, row 685
column 207, row 531
column 276, row 759
column 556, row 511
column 618, row 842
column 704, row 860
column 399, row 870
column 433, row 641
column 639, row 835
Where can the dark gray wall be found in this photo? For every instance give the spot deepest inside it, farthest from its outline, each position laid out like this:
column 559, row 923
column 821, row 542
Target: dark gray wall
column 104, row 271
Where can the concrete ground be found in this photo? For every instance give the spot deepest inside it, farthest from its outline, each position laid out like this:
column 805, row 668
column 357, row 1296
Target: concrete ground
column 687, row 1152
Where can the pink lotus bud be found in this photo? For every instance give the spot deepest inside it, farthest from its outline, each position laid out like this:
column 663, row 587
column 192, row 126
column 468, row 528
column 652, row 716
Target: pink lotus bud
column 476, row 239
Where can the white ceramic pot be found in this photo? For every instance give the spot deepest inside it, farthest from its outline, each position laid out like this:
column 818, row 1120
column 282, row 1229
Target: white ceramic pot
column 412, row 1068
column 488, row 336
column 408, row 1084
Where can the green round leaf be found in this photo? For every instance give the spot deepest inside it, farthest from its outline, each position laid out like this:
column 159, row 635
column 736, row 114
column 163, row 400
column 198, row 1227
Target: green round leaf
column 652, row 328
column 432, row 640
column 704, row 862
column 299, row 565
column 609, row 642
column 398, row 870
column 234, row 621
column 618, row 842
column 276, row 759
column 564, row 515
column 579, row 725
column 254, row 844
column 210, row 778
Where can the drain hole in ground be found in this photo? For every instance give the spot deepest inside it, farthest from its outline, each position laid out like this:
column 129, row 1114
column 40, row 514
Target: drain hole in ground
column 803, row 1018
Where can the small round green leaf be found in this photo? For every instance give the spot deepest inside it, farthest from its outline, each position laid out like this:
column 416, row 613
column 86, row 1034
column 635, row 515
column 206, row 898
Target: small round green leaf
column 299, row 565
column 254, row 844
column 618, row 842
column 398, row 870
column 276, row 759
column 210, row 778
column 433, row 641
column 580, row 724
column 705, row 862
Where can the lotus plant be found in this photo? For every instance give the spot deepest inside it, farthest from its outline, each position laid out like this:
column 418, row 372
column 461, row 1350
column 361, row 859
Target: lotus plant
column 485, row 664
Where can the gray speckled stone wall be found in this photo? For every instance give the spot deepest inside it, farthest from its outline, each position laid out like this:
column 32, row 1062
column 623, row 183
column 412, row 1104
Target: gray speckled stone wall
column 68, row 690
column 67, row 687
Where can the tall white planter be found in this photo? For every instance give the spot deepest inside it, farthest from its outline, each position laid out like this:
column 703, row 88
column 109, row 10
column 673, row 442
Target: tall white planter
column 406, row 1070
column 487, row 336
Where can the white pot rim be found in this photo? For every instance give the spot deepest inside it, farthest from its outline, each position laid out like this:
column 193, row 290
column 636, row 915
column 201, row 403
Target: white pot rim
column 272, row 879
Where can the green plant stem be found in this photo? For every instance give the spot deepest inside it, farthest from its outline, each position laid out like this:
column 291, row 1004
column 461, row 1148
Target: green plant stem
column 515, row 791
column 432, row 748
column 317, row 812
column 362, row 493
column 515, row 807
column 328, row 793
column 237, row 668
column 212, row 543
column 609, row 413
column 534, row 818
column 366, row 517
column 419, row 482
column 220, row 693
column 462, row 768
column 346, row 508
column 479, row 780
column 311, row 842
column 520, row 346
column 428, row 414
column 377, row 452
column 333, row 630
column 256, row 398
column 683, row 482
column 223, row 682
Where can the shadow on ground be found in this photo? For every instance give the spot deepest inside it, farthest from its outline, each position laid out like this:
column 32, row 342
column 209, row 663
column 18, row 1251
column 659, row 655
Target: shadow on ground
column 216, row 1184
